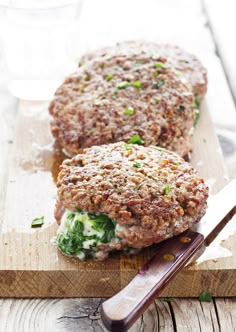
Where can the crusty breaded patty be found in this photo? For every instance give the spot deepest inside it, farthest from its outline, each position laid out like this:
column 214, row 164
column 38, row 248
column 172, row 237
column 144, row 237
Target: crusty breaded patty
column 183, row 62
column 151, row 194
column 112, row 100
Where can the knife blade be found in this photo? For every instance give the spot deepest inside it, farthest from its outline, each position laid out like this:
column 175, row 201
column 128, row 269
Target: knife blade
column 120, row 311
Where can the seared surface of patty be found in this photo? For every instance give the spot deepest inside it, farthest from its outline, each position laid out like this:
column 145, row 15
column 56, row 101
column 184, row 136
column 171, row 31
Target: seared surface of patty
column 150, row 193
column 186, row 64
column 112, row 100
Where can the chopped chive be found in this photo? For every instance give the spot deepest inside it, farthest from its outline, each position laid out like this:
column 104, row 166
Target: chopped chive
column 159, row 83
column 197, row 116
column 122, row 85
column 129, row 111
column 196, row 101
column 137, row 84
column 136, row 139
column 137, row 164
column 167, row 189
column 37, row 222
column 160, row 65
column 108, row 77
column 205, row 297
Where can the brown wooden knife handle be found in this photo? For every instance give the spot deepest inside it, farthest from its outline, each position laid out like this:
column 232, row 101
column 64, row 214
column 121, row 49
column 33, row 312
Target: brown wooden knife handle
column 123, row 309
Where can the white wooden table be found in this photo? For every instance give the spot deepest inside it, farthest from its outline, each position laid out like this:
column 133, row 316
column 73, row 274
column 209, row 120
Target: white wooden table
column 199, row 26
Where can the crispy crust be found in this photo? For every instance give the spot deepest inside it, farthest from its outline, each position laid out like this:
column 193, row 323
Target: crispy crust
column 89, row 109
column 152, row 193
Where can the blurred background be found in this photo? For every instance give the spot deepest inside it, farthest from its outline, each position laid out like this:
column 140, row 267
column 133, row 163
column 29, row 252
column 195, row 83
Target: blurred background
column 43, row 40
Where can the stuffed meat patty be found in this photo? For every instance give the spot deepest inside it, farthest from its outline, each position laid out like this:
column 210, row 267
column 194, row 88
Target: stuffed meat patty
column 120, row 99
column 125, row 196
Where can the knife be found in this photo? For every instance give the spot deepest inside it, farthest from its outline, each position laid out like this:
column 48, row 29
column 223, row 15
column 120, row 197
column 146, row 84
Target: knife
column 120, row 311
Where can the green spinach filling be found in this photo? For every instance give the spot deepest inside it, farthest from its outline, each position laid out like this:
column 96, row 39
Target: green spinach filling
column 81, row 232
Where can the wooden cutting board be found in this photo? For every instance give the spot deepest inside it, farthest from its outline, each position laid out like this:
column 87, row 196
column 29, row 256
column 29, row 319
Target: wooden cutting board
column 30, row 264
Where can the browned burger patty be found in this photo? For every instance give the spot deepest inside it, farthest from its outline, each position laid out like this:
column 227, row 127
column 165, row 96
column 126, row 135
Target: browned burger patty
column 123, row 97
column 149, row 194
column 186, row 64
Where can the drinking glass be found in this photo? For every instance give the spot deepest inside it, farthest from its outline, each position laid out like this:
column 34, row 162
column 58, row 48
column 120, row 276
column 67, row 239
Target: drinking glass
column 39, row 43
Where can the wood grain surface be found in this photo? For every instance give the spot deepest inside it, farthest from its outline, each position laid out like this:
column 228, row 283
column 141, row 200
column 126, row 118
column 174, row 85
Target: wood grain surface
column 69, row 315
column 31, row 266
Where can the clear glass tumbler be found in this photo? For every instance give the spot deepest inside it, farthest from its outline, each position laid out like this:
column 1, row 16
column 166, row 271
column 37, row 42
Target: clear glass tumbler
column 39, row 41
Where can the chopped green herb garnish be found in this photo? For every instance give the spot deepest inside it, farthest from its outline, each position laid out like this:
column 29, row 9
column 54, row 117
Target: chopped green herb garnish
column 37, row 222
column 177, row 164
column 129, row 111
column 181, row 108
column 156, row 74
column 127, row 147
column 160, row 65
column 205, row 297
column 196, row 101
column 101, row 65
column 122, row 85
column 197, row 116
column 137, row 164
column 158, row 101
column 159, row 83
column 136, row 139
column 137, row 84
column 114, row 94
column 86, row 77
column 167, row 189
column 108, row 77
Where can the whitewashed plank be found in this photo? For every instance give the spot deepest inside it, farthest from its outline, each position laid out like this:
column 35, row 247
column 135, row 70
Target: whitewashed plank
column 192, row 315
column 226, row 312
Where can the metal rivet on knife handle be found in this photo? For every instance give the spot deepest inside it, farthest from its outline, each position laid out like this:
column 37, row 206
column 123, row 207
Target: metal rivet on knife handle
column 169, row 257
column 185, row 239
